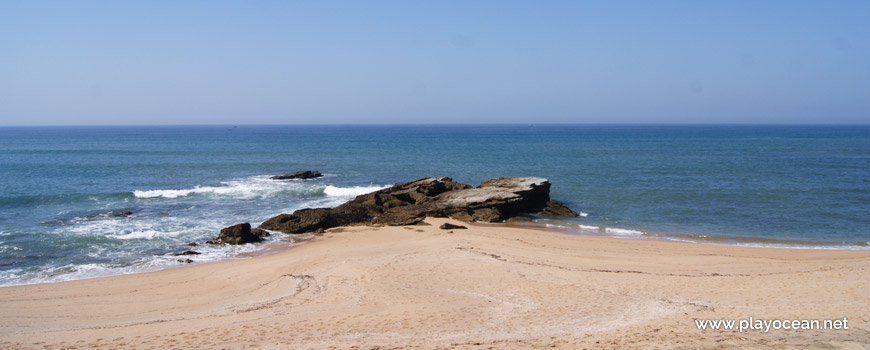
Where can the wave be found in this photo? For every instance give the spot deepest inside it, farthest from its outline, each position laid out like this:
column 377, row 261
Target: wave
column 260, row 186
column 623, row 232
column 255, row 186
column 146, row 234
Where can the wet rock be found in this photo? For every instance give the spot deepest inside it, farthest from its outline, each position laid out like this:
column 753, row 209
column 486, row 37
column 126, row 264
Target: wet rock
column 187, row 252
column 185, row 261
column 237, row 234
column 305, row 174
column 122, row 214
column 556, row 208
column 449, row 226
column 262, row 234
column 192, row 244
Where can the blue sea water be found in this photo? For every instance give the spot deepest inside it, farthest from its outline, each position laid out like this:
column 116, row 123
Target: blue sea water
column 803, row 186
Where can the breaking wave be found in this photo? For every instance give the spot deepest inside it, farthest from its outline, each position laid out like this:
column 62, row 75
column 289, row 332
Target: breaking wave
column 260, row 186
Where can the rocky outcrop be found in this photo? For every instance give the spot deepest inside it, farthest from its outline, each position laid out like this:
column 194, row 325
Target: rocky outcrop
column 305, row 174
column 407, row 204
column 239, row 234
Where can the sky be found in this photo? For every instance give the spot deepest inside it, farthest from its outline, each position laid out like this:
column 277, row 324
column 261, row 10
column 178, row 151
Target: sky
column 371, row 62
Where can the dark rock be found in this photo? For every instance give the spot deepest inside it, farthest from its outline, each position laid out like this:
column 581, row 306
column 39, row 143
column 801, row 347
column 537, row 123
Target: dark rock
column 260, row 233
column 192, row 244
column 409, row 203
column 122, row 214
column 449, row 226
column 305, row 174
column 237, row 234
column 187, row 252
column 185, row 261
column 556, row 208
column 301, row 221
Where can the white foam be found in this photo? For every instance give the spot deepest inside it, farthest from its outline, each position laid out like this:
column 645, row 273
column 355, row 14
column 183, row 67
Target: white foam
column 254, row 186
column 555, row 226
column 583, row 215
column 258, row 186
column 146, row 234
column 69, row 272
column 589, row 228
column 333, row 191
column 623, row 232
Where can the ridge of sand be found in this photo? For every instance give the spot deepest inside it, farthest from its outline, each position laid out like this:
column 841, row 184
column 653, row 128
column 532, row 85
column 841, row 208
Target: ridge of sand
column 490, row 286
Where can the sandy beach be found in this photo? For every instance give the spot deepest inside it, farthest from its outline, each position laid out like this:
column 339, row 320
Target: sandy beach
column 489, row 286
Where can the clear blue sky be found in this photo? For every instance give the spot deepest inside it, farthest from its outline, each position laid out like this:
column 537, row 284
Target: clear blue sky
column 238, row 62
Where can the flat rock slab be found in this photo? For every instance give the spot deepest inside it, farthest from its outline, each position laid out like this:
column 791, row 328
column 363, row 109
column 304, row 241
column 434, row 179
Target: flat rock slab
column 494, row 200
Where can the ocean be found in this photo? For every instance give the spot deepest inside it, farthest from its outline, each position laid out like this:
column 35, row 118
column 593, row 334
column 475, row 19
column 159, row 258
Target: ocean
column 781, row 186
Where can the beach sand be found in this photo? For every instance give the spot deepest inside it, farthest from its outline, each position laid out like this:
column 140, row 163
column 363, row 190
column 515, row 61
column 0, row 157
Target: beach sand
column 490, row 286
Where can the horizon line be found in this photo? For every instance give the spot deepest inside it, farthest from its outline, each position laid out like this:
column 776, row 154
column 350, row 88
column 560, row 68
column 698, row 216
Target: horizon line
column 431, row 124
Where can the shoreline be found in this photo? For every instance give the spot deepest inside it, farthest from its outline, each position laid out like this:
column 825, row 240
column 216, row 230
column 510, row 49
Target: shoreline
column 737, row 241
column 423, row 287
column 287, row 243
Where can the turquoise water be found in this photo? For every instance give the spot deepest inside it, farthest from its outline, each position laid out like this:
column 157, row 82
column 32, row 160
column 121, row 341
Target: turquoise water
column 805, row 186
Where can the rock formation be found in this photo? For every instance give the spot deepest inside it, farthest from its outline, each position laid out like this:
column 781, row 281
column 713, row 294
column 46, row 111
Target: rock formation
column 305, row 174
column 407, row 204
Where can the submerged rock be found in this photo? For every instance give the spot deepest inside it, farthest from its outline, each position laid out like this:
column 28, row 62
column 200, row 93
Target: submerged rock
column 239, row 234
column 187, row 252
column 408, row 203
column 109, row 215
column 305, row 174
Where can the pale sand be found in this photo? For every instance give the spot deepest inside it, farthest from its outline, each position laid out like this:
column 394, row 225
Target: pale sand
column 490, row 286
